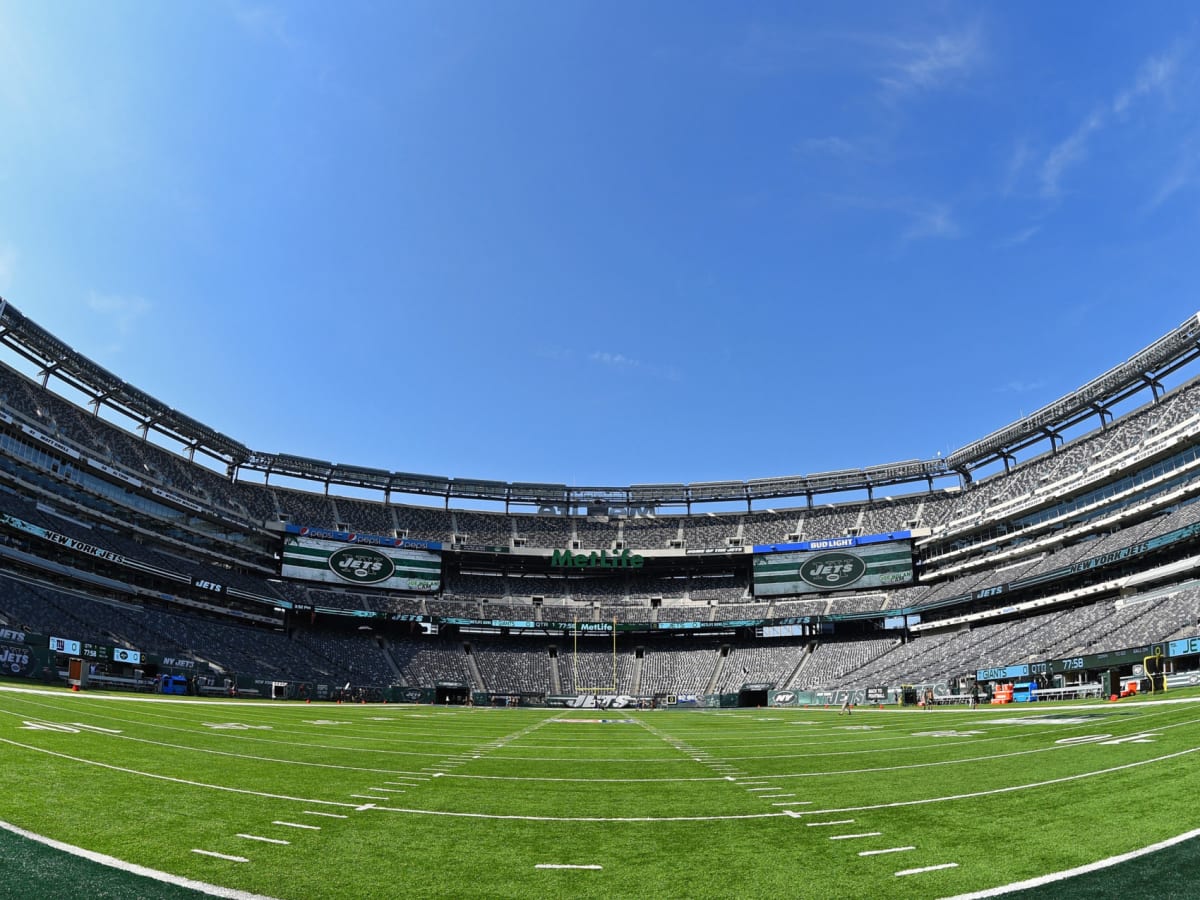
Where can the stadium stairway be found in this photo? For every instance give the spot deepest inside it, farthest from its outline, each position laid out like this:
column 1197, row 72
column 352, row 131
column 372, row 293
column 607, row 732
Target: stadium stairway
column 476, row 675
column 716, row 675
column 387, row 655
column 805, row 654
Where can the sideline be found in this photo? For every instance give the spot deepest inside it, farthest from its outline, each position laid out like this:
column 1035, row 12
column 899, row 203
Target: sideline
column 133, row 868
column 1078, row 870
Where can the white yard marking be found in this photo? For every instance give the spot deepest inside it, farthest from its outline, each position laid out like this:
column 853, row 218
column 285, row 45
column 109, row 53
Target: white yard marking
column 312, row 812
column 561, row 866
column 265, row 840
column 889, row 850
column 851, row 837
column 824, row 824
column 1079, row 870
column 49, row 726
column 96, row 728
column 366, row 806
column 390, row 790
column 157, row 777
column 297, row 825
column 235, row 726
column 776, row 796
column 926, row 869
column 224, row 856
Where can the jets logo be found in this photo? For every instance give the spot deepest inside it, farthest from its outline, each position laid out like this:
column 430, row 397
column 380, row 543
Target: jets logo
column 361, row 565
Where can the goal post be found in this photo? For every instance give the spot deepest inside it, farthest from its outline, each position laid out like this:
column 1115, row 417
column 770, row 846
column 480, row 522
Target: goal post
column 600, row 689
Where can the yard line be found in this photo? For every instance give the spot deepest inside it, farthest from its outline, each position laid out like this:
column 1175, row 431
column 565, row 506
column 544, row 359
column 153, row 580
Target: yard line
column 171, row 779
column 926, row 869
column 220, row 855
column 389, row 790
column 849, row 837
column 265, row 840
column 823, row 824
column 310, row 812
column 776, row 796
column 297, row 825
column 559, row 866
column 367, row 797
column 889, row 850
column 794, row 803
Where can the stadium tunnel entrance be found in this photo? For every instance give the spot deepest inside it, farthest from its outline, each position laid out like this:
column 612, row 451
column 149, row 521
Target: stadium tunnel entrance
column 451, row 694
column 753, row 694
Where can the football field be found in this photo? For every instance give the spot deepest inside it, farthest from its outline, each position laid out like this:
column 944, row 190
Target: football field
column 292, row 800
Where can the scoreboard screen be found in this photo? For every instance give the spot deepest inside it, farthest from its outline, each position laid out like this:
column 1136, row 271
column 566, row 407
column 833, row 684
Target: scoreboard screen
column 335, row 562
column 810, row 571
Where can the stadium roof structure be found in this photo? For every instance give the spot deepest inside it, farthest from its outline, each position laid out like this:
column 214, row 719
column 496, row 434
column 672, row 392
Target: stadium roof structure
column 1144, row 369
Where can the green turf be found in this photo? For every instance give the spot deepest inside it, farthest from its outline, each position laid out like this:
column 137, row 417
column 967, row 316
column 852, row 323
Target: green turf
column 692, row 796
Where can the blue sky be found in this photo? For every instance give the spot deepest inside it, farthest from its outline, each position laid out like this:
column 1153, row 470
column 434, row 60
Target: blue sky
column 602, row 244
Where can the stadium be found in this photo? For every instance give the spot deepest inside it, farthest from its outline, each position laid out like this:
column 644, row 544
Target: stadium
column 494, row 674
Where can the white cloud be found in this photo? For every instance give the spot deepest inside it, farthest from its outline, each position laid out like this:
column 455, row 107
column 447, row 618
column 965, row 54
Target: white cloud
column 930, row 220
column 1184, row 175
column 1068, row 153
column 1155, row 75
column 832, row 146
column 262, row 21
column 625, row 363
column 1020, row 387
column 1021, row 156
column 1021, row 237
column 933, row 64
column 121, row 312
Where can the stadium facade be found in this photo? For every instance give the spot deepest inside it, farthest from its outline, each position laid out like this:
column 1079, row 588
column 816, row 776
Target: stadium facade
column 1057, row 550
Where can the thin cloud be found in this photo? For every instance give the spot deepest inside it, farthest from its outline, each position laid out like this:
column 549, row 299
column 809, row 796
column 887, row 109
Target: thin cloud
column 830, row 146
column 1021, row 237
column 1183, row 176
column 1154, row 76
column 1020, row 387
column 1021, row 156
column 621, row 362
column 120, row 312
column 1069, row 153
column 923, row 219
column 263, row 21
column 934, row 64
column 933, row 220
